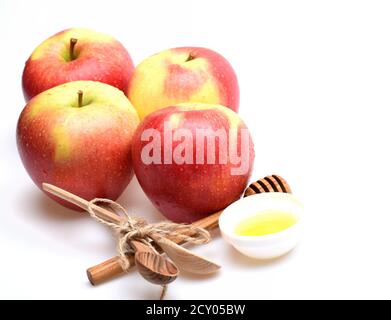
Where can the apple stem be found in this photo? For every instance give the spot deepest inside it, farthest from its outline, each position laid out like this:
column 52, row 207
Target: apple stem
column 80, row 98
column 73, row 42
column 190, row 57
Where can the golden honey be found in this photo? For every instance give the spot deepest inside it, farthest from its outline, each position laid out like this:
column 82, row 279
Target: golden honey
column 265, row 222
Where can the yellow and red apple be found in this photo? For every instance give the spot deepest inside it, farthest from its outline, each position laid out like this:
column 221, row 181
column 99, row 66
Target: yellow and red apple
column 179, row 75
column 78, row 136
column 77, row 54
column 192, row 159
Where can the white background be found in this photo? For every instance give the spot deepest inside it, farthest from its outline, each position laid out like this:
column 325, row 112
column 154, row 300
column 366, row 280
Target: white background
column 315, row 80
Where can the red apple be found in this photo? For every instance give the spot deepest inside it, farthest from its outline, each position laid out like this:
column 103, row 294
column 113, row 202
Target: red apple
column 78, row 136
column 192, row 160
column 187, row 74
column 76, row 54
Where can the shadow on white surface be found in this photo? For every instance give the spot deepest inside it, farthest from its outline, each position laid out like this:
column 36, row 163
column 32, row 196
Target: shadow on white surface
column 199, row 277
column 49, row 209
column 135, row 287
column 55, row 226
column 236, row 259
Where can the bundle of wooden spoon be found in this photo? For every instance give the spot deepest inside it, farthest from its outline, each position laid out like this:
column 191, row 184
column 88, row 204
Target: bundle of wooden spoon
column 149, row 260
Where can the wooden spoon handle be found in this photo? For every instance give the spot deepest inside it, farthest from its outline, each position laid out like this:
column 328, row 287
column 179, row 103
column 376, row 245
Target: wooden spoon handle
column 80, row 202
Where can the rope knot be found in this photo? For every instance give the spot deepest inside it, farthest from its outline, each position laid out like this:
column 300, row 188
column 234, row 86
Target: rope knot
column 135, row 228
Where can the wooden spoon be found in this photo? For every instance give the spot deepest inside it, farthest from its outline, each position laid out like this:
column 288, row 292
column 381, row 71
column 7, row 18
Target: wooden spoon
column 185, row 259
column 152, row 266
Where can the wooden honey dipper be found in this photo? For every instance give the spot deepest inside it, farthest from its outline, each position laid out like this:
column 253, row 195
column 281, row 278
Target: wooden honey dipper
column 271, row 183
column 113, row 267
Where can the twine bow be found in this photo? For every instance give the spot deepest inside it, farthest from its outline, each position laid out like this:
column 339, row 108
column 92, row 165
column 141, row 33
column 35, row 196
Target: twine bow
column 136, row 228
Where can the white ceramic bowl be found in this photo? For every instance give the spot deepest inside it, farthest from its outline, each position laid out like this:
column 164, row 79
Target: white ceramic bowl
column 268, row 246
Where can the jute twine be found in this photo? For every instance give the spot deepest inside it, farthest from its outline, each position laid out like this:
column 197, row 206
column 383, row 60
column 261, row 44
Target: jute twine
column 136, row 228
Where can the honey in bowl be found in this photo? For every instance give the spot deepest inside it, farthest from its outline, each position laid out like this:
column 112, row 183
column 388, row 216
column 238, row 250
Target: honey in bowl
column 265, row 222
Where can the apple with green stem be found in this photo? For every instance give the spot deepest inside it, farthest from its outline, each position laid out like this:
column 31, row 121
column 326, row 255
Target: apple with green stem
column 78, row 136
column 76, row 54
column 180, row 75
